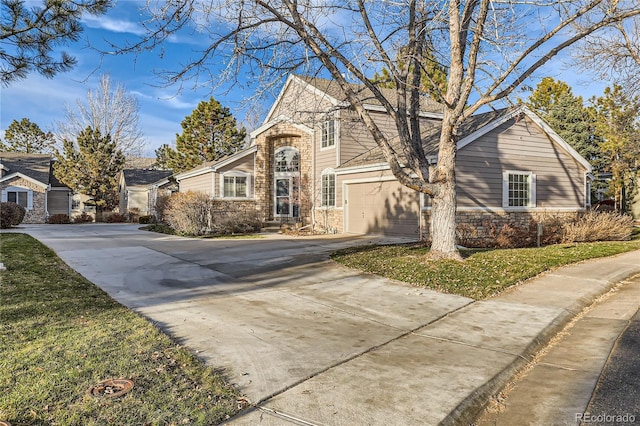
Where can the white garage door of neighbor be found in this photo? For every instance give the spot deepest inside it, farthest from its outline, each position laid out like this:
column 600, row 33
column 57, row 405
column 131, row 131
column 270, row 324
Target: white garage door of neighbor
column 386, row 208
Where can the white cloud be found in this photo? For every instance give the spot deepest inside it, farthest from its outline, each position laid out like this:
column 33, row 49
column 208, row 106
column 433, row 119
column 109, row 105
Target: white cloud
column 113, row 25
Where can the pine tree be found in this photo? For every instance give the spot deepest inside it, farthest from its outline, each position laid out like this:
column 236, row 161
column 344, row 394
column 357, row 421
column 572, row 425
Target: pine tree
column 30, row 35
column 25, row 136
column 91, row 168
column 555, row 102
column 433, row 80
column 617, row 119
column 208, row 134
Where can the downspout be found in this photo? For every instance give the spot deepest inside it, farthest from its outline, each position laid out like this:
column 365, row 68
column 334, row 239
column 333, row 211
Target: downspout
column 46, row 204
column 313, row 179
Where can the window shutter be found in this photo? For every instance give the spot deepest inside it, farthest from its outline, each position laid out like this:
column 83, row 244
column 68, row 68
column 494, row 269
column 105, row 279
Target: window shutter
column 30, row 200
column 4, row 196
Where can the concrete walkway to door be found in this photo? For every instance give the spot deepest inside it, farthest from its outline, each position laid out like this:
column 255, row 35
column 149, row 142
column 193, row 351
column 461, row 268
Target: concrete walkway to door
column 310, row 342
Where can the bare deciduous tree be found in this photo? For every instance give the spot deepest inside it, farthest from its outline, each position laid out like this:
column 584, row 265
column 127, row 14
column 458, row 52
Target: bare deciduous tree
column 489, row 47
column 112, row 111
column 614, row 54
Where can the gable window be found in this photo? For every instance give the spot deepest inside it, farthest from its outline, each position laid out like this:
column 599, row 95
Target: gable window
column 287, row 160
column 18, row 195
column 235, row 186
column 328, row 189
column 519, row 189
column 328, row 134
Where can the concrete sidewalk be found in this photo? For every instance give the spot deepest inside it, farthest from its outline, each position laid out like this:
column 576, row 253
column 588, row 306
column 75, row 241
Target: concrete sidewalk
column 310, row 342
column 445, row 372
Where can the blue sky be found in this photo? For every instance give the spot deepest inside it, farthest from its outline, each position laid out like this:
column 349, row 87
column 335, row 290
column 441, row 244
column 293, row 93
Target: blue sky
column 162, row 109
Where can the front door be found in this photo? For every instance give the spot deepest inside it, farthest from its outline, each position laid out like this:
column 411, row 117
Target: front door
column 283, row 197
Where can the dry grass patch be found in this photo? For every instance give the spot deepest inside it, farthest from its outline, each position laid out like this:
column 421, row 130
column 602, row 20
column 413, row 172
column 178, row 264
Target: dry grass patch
column 60, row 335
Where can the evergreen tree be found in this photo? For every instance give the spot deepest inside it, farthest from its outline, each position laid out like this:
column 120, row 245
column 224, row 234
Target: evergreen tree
column 208, row 134
column 30, row 35
column 91, row 168
column 433, row 80
column 617, row 119
column 555, row 102
column 25, row 136
column 164, row 157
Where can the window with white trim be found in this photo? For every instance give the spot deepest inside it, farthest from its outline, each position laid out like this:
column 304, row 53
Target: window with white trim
column 235, row 185
column 519, row 189
column 18, row 195
column 328, row 134
column 328, row 188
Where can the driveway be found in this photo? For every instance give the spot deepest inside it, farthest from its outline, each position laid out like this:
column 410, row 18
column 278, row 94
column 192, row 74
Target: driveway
column 270, row 313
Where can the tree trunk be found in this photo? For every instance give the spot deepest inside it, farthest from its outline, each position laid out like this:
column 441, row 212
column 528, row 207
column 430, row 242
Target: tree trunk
column 443, row 198
column 443, row 223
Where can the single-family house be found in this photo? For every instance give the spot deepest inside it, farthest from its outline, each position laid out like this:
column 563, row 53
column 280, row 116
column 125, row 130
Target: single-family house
column 27, row 179
column 313, row 161
column 138, row 189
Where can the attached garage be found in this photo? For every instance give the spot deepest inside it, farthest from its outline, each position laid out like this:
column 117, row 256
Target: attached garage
column 382, row 207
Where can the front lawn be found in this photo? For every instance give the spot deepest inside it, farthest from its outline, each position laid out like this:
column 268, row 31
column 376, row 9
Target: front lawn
column 483, row 274
column 60, row 335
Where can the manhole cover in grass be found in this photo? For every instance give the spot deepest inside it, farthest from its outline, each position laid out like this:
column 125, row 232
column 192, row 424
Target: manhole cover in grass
column 111, row 388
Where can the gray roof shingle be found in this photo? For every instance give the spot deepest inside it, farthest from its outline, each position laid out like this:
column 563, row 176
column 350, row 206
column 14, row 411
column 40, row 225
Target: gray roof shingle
column 35, row 166
column 141, row 177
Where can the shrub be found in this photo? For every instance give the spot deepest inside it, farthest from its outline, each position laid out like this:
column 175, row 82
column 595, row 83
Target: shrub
column 188, row 213
column 115, row 218
column 83, row 217
column 145, row 219
column 599, row 226
column 11, row 214
column 59, row 219
column 161, row 206
column 133, row 214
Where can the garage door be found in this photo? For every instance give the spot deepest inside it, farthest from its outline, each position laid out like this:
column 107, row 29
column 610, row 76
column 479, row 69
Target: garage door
column 386, row 208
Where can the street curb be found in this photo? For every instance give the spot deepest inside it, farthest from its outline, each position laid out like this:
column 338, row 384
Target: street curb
column 472, row 406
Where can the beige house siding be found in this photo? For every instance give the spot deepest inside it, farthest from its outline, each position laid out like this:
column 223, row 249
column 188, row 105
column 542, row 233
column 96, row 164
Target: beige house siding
column 520, row 146
column 200, row 183
column 301, row 105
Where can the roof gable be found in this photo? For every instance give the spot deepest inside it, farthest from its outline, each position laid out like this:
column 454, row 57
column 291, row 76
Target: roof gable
column 25, row 177
column 36, row 167
column 330, row 91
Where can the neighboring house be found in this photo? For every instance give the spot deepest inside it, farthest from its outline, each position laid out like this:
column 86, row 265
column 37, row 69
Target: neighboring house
column 138, row 189
column 27, row 179
column 313, row 161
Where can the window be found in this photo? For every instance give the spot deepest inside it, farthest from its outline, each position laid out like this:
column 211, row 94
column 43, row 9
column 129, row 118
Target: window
column 519, row 189
column 328, row 189
column 235, row 187
column 18, row 195
column 328, row 134
column 287, row 160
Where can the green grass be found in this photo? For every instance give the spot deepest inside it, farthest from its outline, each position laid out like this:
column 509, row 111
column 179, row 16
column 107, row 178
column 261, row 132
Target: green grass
column 60, row 334
column 483, row 274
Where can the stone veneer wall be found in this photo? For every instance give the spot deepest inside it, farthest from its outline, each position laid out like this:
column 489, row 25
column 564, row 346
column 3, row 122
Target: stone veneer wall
column 480, row 227
column 329, row 220
column 38, row 214
column 268, row 142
